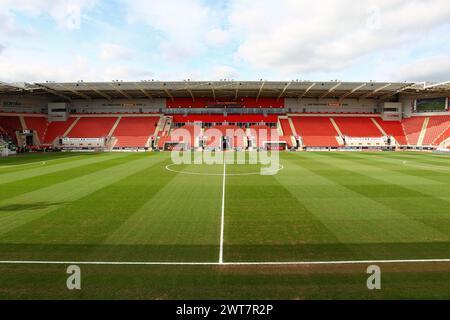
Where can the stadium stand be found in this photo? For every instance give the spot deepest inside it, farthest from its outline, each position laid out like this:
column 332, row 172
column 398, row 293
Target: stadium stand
column 357, row 127
column 442, row 137
column 235, row 132
column 38, row 124
column 435, row 128
column 92, row 127
column 186, row 134
column 316, row 131
column 261, row 134
column 233, row 118
column 10, row 125
column 412, row 128
column 56, row 129
column 393, row 128
column 286, row 127
column 243, row 102
column 134, row 132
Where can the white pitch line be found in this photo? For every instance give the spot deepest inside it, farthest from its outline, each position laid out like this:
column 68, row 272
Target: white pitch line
column 285, row 263
column 222, row 219
column 169, row 168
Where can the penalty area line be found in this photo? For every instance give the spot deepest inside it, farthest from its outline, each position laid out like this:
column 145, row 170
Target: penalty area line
column 282, row 263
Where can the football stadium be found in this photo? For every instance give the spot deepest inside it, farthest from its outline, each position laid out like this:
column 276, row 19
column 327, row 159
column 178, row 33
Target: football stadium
column 225, row 189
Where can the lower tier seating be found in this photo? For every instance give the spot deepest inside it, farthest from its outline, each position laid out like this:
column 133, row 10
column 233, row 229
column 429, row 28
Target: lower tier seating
column 38, row 124
column 357, row 127
column 412, row 128
column 92, row 127
column 435, row 128
column 10, row 125
column 286, row 127
column 134, row 132
column 56, row 129
column 316, row 131
column 394, row 129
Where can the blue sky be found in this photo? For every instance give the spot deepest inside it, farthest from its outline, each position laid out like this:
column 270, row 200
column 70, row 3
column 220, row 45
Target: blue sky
column 99, row 40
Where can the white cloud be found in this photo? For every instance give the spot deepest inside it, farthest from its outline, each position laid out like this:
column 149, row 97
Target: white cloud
column 184, row 25
column 126, row 73
column 328, row 35
column 217, row 37
column 225, row 72
column 435, row 68
column 112, row 51
column 66, row 13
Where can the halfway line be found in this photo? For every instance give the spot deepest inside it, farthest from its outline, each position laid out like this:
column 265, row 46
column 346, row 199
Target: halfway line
column 222, row 219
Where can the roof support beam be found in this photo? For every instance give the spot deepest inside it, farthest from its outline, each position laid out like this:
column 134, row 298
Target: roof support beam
column 352, row 91
column 306, row 91
column 436, row 85
column 104, row 95
column 284, row 90
column 148, row 95
column 260, row 90
column 82, row 95
column 126, row 95
column 54, row 92
column 190, row 92
column 390, row 94
column 168, row 92
column 10, row 85
column 330, row 90
column 237, row 90
column 213, row 90
column 375, row 91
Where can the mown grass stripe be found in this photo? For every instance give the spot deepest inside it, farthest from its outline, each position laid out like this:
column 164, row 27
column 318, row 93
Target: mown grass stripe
column 352, row 217
column 360, row 181
column 16, row 188
column 180, row 221
column 29, row 206
column 55, row 167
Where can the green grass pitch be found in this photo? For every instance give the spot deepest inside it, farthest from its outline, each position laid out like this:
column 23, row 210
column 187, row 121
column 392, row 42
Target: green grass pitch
column 127, row 207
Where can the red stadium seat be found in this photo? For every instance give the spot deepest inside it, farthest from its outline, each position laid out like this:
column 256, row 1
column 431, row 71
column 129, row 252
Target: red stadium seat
column 134, row 132
column 436, row 127
column 10, row 125
column 393, row 128
column 357, row 127
column 316, row 131
column 92, row 127
column 412, row 128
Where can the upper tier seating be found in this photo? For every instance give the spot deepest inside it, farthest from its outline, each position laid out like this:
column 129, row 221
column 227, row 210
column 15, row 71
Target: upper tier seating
column 10, row 125
column 56, row 129
column 412, row 128
column 357, row 127
column 436, row 127
column 38, row 124
column 231, row 118
column 95, row 127
column 393, row 128
column 316, row 131
column 134, row 132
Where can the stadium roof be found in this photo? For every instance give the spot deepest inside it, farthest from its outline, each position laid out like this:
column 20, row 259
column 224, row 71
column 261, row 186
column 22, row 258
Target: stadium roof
column 222, row 89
